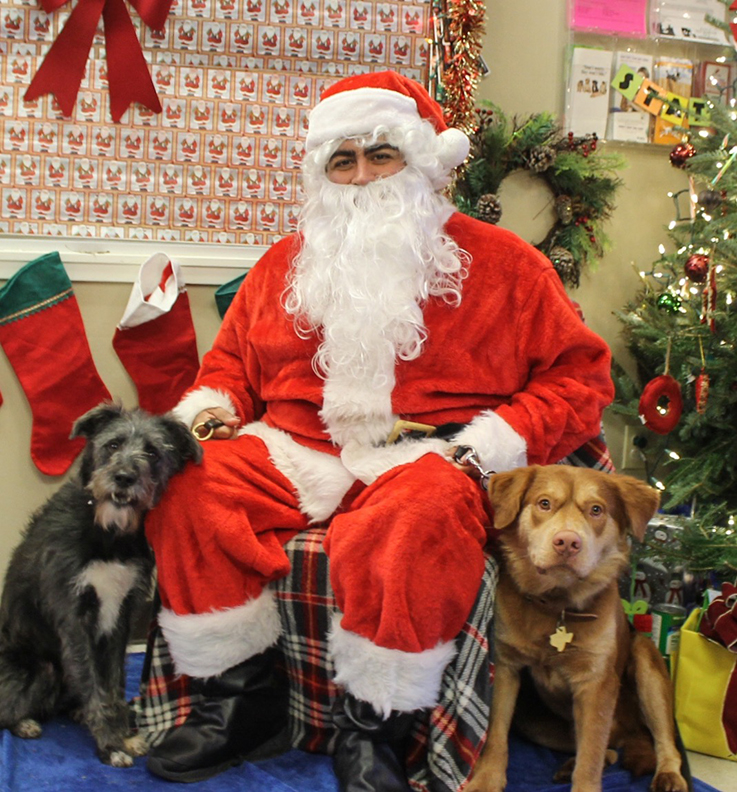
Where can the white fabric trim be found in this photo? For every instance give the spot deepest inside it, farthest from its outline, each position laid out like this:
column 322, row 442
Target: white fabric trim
column 147, row 301
column 358, row 112
column 367, row 463
column 387, row 678
column 498, row 446
column 202, row 399
column 320, row 479
column 207, row 644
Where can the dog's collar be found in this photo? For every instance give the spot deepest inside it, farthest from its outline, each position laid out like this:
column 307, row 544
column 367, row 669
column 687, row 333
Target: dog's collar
column 563, row 613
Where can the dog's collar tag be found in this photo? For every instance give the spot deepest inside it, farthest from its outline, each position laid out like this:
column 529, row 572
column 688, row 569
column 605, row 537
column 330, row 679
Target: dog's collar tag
column 561, row 637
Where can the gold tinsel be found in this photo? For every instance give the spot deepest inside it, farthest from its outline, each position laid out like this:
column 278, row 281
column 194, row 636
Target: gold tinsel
column 457, row 30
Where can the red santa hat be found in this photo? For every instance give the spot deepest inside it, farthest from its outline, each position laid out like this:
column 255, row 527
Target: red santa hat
column 357, row 105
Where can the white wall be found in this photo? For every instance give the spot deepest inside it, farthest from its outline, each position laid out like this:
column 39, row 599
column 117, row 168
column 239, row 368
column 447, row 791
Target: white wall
column 525, row 50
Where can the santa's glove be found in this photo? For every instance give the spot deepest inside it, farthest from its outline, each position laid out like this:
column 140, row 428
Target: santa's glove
column 155, row 339
column 42, row 334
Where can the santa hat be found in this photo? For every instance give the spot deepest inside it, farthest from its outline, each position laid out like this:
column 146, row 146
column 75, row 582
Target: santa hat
column 357, row 105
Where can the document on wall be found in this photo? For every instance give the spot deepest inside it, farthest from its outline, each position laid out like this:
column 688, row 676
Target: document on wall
column 588, row 91
column 686, row 20
column 628, row 121
column 615, row 17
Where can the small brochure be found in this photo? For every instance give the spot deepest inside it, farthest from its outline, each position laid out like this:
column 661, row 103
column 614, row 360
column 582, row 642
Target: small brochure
column 588, row 91
column 615, row 17
column 675, row 76
column 687, row 20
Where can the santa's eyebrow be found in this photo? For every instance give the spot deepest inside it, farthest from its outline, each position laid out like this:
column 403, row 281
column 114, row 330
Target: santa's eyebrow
column 342, row 153
column 379, row 147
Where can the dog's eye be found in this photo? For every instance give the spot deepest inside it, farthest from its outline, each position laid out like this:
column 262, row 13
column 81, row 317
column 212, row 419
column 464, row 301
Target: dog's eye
column 113, row 445
column 597, row 510
column 544, row 504
column 152, row 453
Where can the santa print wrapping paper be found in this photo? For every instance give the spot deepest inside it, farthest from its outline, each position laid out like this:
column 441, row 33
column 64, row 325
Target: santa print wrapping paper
column 236, row 79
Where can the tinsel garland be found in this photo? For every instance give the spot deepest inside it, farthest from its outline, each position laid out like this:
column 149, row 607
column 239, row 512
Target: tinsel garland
column 581, row 179
column 457, row 28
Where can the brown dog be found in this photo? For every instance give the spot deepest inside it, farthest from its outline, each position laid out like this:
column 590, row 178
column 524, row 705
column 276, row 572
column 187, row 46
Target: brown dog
column 569, row 672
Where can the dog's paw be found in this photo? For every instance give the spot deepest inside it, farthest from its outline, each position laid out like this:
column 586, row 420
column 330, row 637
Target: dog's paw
column 564, row 773
column 669, row 782
column 136, row 745
column 485, row 782
column 119, row 759
column 27, row 729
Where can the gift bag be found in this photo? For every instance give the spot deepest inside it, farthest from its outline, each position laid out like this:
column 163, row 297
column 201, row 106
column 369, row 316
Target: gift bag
column 706, row 693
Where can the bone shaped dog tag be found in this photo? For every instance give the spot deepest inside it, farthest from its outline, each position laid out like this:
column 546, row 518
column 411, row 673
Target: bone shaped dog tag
column 561, row 638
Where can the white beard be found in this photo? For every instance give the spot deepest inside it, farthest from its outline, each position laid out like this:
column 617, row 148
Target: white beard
column 371, row 257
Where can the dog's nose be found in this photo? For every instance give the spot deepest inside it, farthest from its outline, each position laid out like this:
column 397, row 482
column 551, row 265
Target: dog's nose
column 123, row 479
column 567, row 543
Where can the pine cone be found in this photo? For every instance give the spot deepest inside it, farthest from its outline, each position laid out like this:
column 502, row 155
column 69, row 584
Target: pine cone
column 541, row 158
column 565, row 265
column 564, row 209
column 489, row 208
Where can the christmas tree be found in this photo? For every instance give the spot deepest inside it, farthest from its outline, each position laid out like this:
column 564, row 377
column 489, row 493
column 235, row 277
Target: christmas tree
column 681, row 331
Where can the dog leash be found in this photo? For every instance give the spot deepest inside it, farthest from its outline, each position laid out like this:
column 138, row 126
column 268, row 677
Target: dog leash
column 467, row 455
column 206, row 429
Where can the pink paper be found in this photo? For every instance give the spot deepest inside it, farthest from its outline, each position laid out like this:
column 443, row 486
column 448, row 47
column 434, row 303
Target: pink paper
column 622, row 17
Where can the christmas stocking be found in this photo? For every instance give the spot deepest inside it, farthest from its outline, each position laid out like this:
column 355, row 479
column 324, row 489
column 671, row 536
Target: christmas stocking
column 42, row 334
column 155, row 339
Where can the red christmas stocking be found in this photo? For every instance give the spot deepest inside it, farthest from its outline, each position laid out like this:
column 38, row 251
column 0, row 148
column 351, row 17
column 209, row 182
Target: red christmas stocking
column 155, row 339
column 42, row 334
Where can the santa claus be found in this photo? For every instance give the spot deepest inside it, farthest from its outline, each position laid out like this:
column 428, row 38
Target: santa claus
column 386, row 307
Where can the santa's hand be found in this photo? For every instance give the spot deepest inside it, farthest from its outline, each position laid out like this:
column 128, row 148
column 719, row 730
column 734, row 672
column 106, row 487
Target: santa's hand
column 466, row 459
column 214, row 423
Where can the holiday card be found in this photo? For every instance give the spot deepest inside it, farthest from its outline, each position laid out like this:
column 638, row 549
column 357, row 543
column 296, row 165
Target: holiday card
column 615, row 17
column 588, row 88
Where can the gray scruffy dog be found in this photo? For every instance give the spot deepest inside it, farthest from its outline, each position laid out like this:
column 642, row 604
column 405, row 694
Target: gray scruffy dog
column 82, row 568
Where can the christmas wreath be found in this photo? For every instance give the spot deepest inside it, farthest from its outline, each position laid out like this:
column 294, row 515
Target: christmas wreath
column 581, row 179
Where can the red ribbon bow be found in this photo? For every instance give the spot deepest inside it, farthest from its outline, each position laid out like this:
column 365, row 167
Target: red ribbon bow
column 129, row 79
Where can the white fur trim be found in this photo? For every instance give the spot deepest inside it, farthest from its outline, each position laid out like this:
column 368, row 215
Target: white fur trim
column 367, row 463
column 387, row 678
column 147, row 300
column 207, row 644
column 454, row 147
column 320, row 479
column 357, row 410
column 498, row 446
column 358, row 112
column 202, row 399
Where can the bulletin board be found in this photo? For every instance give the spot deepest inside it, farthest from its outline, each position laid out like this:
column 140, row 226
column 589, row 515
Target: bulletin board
column 236, row 80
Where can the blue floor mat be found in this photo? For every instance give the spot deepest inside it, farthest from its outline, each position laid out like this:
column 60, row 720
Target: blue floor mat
column 63, row 760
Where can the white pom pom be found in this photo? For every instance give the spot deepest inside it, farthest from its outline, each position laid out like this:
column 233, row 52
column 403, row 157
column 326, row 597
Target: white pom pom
column 454, row 147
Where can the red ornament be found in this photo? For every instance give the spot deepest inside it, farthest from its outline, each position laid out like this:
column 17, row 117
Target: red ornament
column 702, row 392
column 709, row 301
column 697, row 267
column 681, row 154
column 661, row 418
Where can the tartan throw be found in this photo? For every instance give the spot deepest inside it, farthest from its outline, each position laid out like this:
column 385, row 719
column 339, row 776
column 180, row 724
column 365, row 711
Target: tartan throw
column 445, row 741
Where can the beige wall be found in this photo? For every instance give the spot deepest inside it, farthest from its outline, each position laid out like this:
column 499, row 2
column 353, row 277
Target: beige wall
column 525, row 50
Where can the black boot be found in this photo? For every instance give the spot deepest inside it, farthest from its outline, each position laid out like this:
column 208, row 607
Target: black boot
column 370, row 750
column 242, row 709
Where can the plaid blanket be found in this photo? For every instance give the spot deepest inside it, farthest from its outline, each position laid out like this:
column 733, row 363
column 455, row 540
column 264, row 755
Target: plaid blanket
column 445, row 741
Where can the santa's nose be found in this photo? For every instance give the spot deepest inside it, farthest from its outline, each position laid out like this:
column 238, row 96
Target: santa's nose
column 364, row 173
column 567, row 543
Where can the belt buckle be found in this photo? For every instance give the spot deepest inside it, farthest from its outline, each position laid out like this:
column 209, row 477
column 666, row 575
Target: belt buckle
column 403, row 430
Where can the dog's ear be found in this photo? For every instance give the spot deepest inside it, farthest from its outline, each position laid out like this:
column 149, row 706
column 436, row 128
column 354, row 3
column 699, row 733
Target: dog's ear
column 506, row 491
column 185, row 444
column 639, row 501
column 94, row 420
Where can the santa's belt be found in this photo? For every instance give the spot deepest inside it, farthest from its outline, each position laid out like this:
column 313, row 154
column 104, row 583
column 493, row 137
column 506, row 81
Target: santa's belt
column 410, row 430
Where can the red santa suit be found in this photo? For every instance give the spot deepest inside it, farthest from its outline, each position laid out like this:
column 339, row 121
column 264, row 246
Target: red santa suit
column 512, row 362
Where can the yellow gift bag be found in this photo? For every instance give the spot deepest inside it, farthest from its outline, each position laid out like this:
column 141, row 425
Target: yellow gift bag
column 706, row 693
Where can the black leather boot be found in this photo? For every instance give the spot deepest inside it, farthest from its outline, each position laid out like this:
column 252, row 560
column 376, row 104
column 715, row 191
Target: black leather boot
column 370, row 750
column 242, row 709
